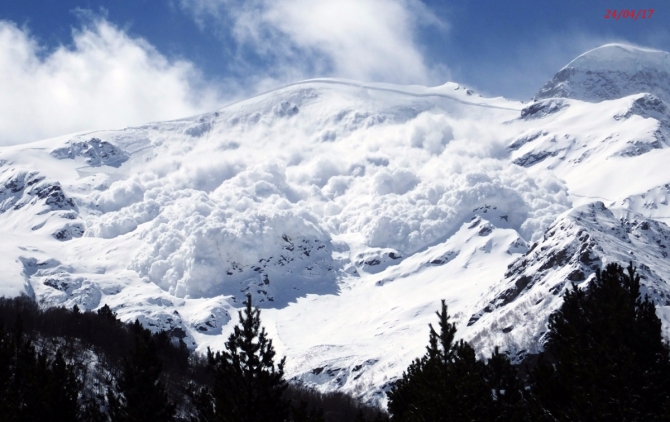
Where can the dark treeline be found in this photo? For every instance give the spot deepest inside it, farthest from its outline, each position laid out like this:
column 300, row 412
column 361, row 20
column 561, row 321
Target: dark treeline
column 604, row 360
column 66, row 365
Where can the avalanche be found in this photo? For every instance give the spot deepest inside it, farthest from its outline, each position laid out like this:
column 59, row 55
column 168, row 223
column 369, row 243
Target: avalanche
column 349, row 209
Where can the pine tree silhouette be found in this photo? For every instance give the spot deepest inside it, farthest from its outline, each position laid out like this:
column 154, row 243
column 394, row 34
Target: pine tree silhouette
column 248, row 386
column 107, row 313
column 22, row 396
column 34, row 387
column 301, row 414
column 605, row 356
column 142, row 395
column 502, row 377
column 5, row 371
column 64, row 389
column 449, row 384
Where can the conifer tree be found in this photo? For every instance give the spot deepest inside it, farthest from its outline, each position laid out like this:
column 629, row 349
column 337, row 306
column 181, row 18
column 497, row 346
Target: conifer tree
column 142, row 396
column 248, row 386
column 301, row 414
column 34, row 387
column 107, row 313
column 605, row 357
column 509, row 402
column 448, row 383
column 5, row 356
column 22, row 396
column 64, row 389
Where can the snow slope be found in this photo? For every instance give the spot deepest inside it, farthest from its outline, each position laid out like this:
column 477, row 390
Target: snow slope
column 349, row 210
column 581, row 241
column 611, row 72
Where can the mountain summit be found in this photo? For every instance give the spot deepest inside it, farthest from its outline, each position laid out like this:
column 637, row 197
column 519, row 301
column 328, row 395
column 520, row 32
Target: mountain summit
column 610, row 72
column 349, row 209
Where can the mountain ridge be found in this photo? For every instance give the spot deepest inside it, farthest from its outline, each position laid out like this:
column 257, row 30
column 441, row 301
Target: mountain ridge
column 348, row 210
column 609, row 72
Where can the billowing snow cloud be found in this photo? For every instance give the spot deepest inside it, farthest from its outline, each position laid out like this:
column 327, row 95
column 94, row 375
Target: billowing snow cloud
column 106, row 79
column 373, row 40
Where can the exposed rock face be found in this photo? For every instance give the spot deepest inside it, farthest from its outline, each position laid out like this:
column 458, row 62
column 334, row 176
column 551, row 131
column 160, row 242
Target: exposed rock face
column 585, row 239
column 543, row 108
column 212, row 321
column 59, row 285
column 377, row 259
column 69, row 231
column 648, row 106
column 23, row 188
column 95, row 151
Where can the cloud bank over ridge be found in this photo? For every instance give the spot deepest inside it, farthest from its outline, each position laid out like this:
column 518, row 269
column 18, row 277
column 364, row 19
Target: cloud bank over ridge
column 369, row 40
column 104, row 79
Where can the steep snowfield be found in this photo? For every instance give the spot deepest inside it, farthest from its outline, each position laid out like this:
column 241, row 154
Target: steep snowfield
column 579, row 242
column 610, row 151
column 348, row 210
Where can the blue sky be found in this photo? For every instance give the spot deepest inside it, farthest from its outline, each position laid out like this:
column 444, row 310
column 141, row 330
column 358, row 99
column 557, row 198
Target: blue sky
column 79, row 64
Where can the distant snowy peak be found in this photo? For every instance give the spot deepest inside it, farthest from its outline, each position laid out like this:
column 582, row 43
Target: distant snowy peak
column 610, row 72
column 349, row 209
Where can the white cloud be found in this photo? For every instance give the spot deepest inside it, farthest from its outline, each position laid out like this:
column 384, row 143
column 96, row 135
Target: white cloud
column 372, row 40
column 106, row 79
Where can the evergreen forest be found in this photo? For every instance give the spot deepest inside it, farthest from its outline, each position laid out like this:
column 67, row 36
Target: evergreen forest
column 604, row 359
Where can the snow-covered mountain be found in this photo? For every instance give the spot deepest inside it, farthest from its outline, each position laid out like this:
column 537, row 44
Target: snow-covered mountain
column 610, row 72
column 350, row 209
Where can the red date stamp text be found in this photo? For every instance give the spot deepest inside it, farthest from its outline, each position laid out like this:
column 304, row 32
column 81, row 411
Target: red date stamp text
column 629, row 14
